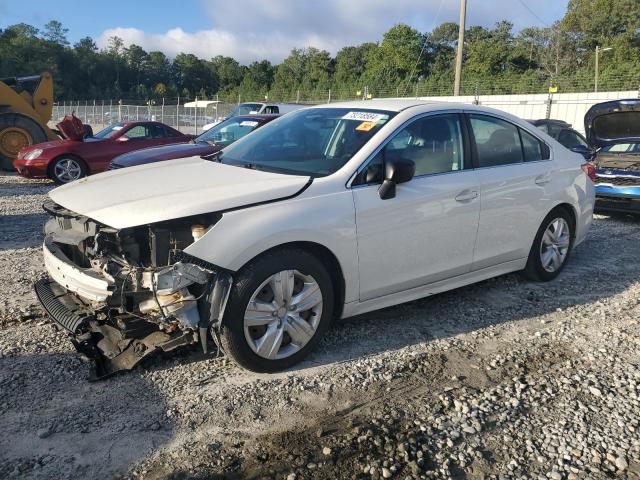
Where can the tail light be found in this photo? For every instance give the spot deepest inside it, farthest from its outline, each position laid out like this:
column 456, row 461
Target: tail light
column 590, row 169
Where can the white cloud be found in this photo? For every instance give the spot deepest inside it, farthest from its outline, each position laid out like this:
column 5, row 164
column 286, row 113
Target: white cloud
column 255, row 29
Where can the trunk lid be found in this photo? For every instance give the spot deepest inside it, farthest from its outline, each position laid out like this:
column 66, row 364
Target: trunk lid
column 613, row 122
column 71, row 128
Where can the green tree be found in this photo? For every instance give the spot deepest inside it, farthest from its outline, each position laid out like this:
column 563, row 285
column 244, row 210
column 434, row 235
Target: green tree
column 56, row 33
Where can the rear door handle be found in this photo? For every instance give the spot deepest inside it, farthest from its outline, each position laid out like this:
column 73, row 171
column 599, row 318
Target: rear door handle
column 466, row 195
column 543, row 179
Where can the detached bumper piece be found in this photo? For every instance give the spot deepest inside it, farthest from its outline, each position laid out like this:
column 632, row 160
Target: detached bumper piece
column 111, row 349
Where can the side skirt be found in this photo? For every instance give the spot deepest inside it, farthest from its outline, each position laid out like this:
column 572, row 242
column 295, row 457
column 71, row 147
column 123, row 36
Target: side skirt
column 357, row 308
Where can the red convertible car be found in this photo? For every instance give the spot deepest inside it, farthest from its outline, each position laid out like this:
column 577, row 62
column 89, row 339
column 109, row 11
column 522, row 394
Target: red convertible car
column 77, row 155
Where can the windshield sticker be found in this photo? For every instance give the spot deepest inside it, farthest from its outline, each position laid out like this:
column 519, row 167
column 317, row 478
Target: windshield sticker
column 116, row 128
column 366, row 117
column 248, row 123
column 366, row 126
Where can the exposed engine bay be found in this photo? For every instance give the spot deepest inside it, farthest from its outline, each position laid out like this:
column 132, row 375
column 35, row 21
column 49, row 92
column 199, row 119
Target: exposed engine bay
column 124, row 294
column 627, row 162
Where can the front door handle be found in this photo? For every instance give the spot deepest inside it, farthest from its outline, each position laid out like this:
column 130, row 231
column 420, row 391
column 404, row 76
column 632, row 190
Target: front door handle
column 543, row 179
column 466, row 196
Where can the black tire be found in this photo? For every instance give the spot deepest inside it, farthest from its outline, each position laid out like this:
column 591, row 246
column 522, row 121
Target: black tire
column 247, row 281
column 18, row 120
column 66, row 158
column 535, row 270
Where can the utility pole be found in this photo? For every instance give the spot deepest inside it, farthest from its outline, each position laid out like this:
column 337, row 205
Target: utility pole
column 463, row 16
column 595, row 89
column 598, row 51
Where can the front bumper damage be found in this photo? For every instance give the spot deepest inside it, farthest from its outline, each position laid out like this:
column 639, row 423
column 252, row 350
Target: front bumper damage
column 116, row 302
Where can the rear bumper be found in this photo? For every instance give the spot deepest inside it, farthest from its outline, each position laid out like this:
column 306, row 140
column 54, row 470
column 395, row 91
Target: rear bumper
column 613, row 198
column 621, row 204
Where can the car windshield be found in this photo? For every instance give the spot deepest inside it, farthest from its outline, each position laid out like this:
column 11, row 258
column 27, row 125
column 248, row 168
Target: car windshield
column 246, row 109
column 109, row 131
column 623, row 148
column 227, row 132
column 315, row 141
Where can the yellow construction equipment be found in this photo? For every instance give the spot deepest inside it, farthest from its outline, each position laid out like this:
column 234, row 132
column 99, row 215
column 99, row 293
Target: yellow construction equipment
column 24, row 114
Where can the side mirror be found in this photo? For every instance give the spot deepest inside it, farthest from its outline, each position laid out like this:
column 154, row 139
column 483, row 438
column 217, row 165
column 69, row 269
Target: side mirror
column 122, row 139
column 583, row 150
column 396, row 171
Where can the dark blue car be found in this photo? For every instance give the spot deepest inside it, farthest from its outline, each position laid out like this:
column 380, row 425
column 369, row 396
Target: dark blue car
column 614, row 128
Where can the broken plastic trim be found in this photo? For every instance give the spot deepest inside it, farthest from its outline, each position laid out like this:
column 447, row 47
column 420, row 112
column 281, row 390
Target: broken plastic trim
column 125, row 340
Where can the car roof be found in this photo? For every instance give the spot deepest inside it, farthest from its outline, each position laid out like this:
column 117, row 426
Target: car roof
column 255, row 116
column 549, row 121
column 394, row 104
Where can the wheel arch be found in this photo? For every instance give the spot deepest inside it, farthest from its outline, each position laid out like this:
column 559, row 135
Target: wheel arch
column 66, row 155
column 328, row 259
column 571, row 210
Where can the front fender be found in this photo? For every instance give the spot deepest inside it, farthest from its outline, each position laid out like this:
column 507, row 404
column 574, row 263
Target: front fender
column 243, row 234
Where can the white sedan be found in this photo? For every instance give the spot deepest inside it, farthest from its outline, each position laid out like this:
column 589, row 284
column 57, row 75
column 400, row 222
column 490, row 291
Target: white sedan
column 325, row 213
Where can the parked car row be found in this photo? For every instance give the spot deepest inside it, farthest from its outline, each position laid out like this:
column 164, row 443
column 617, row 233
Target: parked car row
column 79, row 154
column 210, row 142
column 324, row 213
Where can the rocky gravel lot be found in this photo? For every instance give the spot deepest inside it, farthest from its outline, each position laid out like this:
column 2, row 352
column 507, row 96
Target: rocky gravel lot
column 504, row 379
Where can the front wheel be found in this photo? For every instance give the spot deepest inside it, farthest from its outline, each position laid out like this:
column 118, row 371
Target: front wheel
column 67, row 169
column 280, row 306
column 551, row 247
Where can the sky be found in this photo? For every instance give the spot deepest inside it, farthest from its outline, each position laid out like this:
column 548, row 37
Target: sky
column 251, row 30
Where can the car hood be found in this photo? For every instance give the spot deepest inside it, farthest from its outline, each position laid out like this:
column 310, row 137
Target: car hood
column 169, row 190
column 45, row 145
column 609, row 123
column 165, row 152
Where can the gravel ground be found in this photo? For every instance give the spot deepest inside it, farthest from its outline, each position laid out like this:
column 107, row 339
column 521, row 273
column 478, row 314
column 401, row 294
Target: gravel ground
column 503, row 379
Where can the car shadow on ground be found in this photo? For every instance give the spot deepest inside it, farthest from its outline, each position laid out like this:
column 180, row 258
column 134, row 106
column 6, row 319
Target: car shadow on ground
column 507, row 298
column 22, row 230
column 492, row 302
column 55, row 424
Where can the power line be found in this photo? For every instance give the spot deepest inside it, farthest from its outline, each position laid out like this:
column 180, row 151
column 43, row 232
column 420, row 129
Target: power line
column 424, row 46
column 533, row 13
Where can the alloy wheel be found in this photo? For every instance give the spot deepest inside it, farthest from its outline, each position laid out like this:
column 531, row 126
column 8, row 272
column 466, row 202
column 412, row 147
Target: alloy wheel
column 283, row 314
column 67, row 170
column 555, row 244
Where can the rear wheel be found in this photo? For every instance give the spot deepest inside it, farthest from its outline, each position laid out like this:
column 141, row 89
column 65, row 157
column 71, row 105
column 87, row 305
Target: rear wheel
column 17, row 131
column 279, row 308
column 67, row 169
column 551, row 246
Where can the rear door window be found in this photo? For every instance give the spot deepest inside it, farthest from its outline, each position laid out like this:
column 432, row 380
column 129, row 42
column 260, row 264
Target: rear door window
column 532, row 148
column 156, row 131
column 497, row 141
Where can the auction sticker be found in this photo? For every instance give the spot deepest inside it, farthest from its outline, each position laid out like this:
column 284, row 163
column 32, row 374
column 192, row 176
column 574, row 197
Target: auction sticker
column 248, row 123
column 366, row 126
column 366, row 117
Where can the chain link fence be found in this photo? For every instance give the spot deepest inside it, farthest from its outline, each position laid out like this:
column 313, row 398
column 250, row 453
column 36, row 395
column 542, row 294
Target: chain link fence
column 100, row 113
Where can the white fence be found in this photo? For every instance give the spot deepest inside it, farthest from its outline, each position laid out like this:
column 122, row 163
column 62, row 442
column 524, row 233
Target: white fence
column 570, row 107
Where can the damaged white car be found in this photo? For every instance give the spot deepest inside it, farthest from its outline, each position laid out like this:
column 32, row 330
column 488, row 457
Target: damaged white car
column 325, row 213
